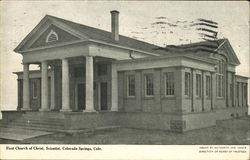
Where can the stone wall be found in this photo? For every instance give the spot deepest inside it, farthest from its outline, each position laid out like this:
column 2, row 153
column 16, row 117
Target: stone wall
column 159, row 102
column 159, row 121
column 199, row 120
column 86, row 120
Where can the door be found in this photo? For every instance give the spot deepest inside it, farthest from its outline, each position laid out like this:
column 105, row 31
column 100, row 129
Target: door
column 35, row 94
column 104, row 96
column 81, row 96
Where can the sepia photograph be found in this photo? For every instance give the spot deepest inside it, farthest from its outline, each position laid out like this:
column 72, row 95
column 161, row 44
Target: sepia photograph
column 124, row 73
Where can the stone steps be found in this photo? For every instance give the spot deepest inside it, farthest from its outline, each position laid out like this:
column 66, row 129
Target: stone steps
column 36, row 123
column 38, row 127
column 21, row 134
column 42, row 121
column 45, row 115
column 52, row 121
column 32, row 127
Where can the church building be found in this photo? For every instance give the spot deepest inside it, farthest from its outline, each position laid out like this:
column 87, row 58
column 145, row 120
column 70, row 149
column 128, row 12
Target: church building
column 93, row 78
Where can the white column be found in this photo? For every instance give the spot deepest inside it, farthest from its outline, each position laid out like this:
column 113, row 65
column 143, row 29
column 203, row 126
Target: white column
column 114, row 88
column 65, row 85
column 45, row 102
column 52, row 90
column 26, row 87
column 89, row 77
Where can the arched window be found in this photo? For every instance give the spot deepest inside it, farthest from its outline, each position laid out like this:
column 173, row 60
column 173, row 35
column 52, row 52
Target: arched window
column 220, row 79
column 52, row 36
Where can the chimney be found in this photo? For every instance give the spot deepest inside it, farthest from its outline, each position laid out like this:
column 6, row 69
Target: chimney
column 115, row 25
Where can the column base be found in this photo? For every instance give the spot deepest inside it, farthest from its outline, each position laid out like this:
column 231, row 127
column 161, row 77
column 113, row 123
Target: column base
column 44, row 109
column 65, row 110
column 25, row 109
column 88, row 110
column 52, row 108
column 114, row 109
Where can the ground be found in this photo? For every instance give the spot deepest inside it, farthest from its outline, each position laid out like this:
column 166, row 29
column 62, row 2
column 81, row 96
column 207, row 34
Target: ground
column 221, row 134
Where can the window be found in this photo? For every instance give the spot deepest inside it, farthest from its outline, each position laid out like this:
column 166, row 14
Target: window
column 149, row 85
column 102, row 69
column 52, row 36
column 169, row 81
column 198, row 85
column 34, row 90
column 245, row 92
column 232, row 94
column 131, row 86
column 208, row 86
column 220, row 79
column 242, row 91
column 187, row 84
column 237, row 93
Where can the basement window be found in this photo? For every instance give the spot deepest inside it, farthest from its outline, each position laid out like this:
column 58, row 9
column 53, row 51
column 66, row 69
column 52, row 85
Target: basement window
column 52, row 36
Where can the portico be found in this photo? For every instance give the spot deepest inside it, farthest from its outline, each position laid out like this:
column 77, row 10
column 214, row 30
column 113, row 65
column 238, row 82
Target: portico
column 71, row 73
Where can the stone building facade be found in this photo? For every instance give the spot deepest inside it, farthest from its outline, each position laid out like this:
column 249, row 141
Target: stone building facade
column 93, row 75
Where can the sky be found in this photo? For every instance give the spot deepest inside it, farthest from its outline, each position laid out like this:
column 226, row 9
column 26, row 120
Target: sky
column 18, row 18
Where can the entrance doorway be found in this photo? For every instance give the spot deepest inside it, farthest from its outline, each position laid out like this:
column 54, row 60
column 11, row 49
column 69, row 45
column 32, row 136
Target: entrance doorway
column 81, row 96
column 104, row 96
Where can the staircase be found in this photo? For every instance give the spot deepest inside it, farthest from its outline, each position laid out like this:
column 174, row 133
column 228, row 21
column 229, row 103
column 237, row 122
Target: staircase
column 43, row 121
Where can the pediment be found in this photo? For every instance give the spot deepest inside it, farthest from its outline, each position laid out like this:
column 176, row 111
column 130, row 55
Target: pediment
column 41, row 36
column 60, row 36
column 228, row 51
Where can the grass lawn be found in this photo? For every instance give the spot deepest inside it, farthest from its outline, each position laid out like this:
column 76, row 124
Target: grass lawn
column 210, row 136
